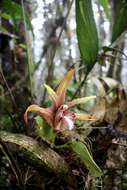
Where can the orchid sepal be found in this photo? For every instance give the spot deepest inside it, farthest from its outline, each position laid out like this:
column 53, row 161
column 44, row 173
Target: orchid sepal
column 85, row 117
column 80, row 101
column 52, row 94
column 62, row 88
column 44, row 112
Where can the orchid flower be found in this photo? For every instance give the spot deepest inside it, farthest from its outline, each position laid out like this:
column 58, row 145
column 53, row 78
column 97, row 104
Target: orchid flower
column 59, row 115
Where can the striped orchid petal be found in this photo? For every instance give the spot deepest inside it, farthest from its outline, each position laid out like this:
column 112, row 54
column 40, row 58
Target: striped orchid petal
column 44, row 112
column 61, row 90
column 85, row 117
column 80, row 101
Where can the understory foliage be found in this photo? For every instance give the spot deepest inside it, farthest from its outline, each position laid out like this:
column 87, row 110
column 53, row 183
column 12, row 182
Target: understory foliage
column 69, row 132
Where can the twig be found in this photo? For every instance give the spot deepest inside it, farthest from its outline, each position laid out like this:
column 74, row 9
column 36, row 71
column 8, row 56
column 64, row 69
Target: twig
column 17, row 85
column 8, row 88
column 60, row 34
column 13, row 164
column 80, row 86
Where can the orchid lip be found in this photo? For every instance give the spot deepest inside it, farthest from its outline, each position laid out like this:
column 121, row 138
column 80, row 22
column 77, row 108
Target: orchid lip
column 70, row 122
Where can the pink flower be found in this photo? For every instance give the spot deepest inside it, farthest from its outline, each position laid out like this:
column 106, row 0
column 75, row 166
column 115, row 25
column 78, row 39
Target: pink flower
column 59, row 115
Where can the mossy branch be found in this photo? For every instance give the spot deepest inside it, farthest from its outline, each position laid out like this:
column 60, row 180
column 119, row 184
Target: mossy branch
column 42, row 155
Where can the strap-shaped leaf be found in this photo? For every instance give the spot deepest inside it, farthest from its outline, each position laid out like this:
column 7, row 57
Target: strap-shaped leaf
column 86, row 32
column 120, row 23
column 80, row 149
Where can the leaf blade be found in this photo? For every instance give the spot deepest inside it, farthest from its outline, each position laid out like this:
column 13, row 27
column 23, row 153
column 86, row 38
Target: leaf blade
column 120, row 24
column 81, row 149
column 44, row 131
column 86, row 33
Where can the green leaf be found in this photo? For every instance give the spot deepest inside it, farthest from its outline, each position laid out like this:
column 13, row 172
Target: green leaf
column 81, row 149
column 45, row 132
column 3, row 29
column 5, row 16
column 86, row 33
column 16, row 12
column 105, row 5
column 120, row 23
column 22, row 46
